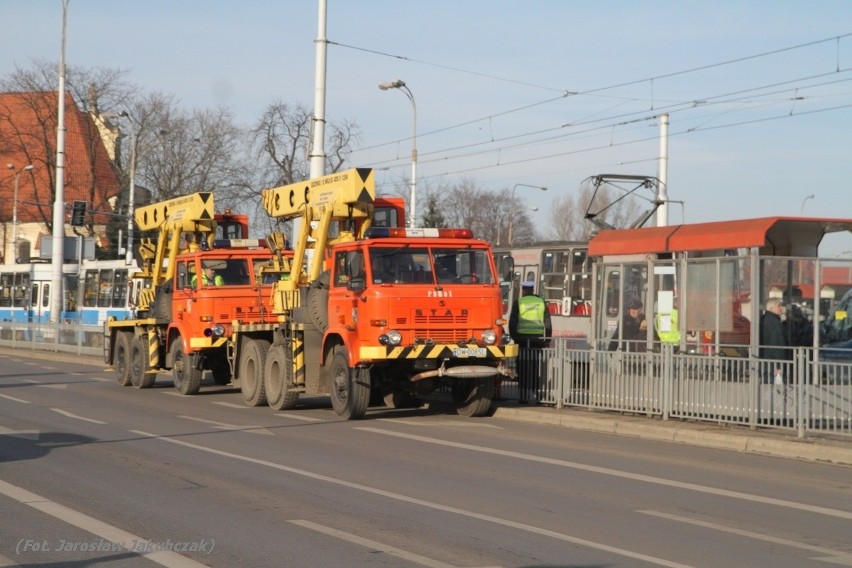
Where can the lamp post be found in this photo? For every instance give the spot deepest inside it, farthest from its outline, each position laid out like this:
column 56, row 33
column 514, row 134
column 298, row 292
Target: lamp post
column 131, row 197
column 26, row 168
column 512, row 206
column 802, row 208
column 400, row 84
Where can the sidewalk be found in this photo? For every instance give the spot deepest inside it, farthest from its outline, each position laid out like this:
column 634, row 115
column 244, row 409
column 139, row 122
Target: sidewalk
column 722, row 437
column 777, row 443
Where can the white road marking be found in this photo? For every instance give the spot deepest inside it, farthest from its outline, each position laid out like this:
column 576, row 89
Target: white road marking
column 254, row 428
column 173, row 393
column 455, row 423
column 372, row 544
column 429, row 504
column 297, row 416
column 233, row 405
column 32, row 381
column 6, row 396
column 69, row 415
column 95, row 527
column 27, row 434
column 101, row 379
column 837, row 556
column 624, row 475
column 60, row 386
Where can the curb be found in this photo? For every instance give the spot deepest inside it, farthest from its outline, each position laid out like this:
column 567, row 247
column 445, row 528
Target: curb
column 764, row 443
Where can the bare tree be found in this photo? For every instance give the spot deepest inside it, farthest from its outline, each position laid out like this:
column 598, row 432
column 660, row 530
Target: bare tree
column 486, row 212
column 281, row 141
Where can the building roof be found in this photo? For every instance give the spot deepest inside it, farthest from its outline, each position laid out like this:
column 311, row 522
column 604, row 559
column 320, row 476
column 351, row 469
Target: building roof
column 28, row 126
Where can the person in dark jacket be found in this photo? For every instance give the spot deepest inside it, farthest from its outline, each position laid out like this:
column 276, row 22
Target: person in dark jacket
column 773, row 339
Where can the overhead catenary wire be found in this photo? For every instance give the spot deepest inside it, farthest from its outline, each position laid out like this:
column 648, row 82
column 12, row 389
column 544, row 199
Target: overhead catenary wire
column 618, row 120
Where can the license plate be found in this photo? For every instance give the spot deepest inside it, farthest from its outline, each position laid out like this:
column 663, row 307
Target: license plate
column 469, row 352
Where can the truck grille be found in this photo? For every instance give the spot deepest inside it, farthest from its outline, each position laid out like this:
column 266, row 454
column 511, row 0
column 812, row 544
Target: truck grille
column 443, row 335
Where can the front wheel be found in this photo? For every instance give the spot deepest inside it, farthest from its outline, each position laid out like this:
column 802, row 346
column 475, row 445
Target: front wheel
column 350, row 388
column 252, row 364
column 278, row 379
column 186, row 377
column 472, row 397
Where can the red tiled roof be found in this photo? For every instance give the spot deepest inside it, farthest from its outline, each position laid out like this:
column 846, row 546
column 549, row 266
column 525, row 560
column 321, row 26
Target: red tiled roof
column 28, row 126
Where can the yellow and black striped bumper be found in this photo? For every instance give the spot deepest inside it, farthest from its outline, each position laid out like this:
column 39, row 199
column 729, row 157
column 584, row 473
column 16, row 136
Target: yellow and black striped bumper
column 439, row 351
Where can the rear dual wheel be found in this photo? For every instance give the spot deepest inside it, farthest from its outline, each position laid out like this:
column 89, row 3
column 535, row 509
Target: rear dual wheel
column 473, row 397
column 141, row 375
column 278, row 379
column 121, row 358
column 252, row 365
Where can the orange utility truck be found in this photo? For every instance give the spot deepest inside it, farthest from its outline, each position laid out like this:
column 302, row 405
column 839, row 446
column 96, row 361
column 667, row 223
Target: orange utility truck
column 202, row 277
column 384, row 310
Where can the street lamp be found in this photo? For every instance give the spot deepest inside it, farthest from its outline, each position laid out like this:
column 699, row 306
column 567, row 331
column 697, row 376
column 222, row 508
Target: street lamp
column 400, row 84
column 802, row 208
column 512, row 206
column 131, row 197
column 26, row 168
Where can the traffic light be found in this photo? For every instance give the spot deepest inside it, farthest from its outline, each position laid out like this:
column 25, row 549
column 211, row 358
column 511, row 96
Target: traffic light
column 78, row 214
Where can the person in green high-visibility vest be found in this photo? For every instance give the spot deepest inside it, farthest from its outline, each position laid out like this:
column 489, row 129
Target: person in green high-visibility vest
column 667, row 328
column 529, row 325
column 209, row 276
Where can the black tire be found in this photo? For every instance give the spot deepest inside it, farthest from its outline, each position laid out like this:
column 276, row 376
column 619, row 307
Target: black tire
column 278, row 379
column 252, row 364
column 318, row 301
column 350, row 388
column 400, row 399
column 121, row 358
column 473, row 397
column 141, row 376
column 221, row 372
column 186, row 377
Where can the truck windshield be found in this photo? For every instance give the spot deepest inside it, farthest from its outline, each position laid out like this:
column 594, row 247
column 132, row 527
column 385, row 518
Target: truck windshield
column 427, row 265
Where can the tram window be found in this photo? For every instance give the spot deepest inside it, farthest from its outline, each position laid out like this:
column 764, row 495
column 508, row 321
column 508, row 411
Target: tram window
column 556, row 268
column 6, row 289
column 34, row 294
column 22, row 288
column 45, row 295
column 105, row 288
column 119, row 289
column 90, row 293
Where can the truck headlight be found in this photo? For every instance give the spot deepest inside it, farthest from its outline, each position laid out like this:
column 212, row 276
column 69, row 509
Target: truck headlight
column 217, row 330
column 489, row 337
column 392, row 337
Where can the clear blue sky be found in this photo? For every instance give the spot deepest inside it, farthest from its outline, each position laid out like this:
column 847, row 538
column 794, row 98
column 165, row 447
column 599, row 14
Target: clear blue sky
column 749, row 136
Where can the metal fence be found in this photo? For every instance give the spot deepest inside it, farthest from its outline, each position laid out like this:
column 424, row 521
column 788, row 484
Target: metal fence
column 62, row 338
column 803, row 394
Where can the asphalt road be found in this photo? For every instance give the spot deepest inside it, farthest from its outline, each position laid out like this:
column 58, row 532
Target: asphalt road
column 95, row 474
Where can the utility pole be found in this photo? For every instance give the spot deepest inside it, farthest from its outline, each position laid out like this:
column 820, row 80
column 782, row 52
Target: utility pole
column 56, row 289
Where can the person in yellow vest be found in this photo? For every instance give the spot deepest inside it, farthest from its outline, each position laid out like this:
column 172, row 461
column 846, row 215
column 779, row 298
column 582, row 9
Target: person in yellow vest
column 209, row 276
column 530, row 327
column 667, row 328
